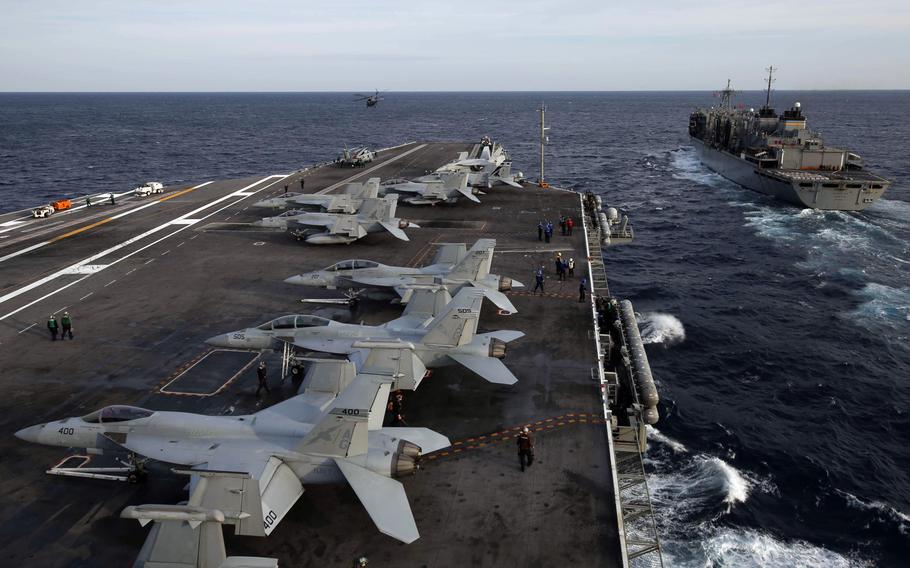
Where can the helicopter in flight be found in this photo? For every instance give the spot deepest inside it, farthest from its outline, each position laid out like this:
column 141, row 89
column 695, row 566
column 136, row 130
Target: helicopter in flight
column 372, row 100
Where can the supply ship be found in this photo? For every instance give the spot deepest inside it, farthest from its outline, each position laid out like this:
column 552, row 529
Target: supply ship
column 778, row 155
column 147, row 278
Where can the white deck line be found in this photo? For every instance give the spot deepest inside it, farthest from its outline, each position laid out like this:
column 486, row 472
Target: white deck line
column 368, row 170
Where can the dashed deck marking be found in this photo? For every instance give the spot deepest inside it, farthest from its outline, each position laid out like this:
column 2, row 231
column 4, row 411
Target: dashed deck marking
column 111, row 282
column 509, row 434
column 21, row 331
column 86, row 296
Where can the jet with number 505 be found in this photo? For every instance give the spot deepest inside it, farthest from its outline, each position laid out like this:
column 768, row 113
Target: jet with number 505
column 448, row 338
column 454, row 267
column 254, row 466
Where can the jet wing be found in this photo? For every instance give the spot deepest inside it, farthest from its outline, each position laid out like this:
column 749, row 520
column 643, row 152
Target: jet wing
column 311, row 199
column 276, row 484
column 384, row 499
column 490, row 368
column 348, row 225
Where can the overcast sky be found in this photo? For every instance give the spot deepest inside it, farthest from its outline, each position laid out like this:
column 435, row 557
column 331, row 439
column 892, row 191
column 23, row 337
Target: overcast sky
column 426, row 45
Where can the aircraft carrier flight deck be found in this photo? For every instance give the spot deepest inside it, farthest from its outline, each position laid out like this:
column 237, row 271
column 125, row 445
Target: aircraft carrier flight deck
column 148, row 279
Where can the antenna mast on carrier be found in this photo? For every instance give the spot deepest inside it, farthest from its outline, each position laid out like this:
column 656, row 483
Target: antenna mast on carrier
column 544, row 139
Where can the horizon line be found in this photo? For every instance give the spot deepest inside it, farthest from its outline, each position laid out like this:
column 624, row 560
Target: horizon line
column 289, row 92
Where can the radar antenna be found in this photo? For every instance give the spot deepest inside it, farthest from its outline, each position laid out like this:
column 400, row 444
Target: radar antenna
column 771, row 79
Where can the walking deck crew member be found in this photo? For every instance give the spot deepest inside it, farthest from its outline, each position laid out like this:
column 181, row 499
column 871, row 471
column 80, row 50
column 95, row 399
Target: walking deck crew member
column 67, row 323
column 263, row 374
column 538, row 278
column 525, row 448
column 52, row 327
column 571, row 266
column 582, row 288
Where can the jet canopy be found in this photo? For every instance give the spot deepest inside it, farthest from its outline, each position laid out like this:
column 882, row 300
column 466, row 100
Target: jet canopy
column 117, row 413
column 352, row 265
column 294, row 322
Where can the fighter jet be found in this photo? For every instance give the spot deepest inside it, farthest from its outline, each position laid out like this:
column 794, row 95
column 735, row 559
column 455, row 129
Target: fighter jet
column 452, row 267
column 348, row 201
column 491, row 168
column 254, row 466
column 450, row 337
column 443, row 188
column 374, row 215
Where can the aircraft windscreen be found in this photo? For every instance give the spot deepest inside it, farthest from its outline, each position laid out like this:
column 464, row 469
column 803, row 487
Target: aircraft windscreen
column 343, row 265
column 118, row 413
column 365, row 264
column 311, row 321
column 286, row 322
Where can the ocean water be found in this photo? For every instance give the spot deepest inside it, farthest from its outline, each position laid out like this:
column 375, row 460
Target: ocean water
column 779, row 337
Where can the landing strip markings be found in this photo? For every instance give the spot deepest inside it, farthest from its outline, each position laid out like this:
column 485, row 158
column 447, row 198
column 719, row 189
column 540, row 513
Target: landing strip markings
column 71, row 269
column 98, row 223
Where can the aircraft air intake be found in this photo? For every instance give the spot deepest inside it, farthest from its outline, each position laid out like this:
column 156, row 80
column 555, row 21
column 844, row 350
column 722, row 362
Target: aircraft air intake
column 505, row 284
column 497, row 348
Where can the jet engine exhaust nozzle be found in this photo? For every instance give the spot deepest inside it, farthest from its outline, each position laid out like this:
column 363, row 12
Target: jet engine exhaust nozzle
column 505, row 284
column 409, row 449
column 403, row 224
column 403, row 465
column 498, row 348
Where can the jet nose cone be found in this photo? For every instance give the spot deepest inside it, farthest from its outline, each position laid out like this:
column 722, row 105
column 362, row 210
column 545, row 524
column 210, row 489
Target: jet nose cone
column 298, row 279
column 223, row 340
column 30, row 434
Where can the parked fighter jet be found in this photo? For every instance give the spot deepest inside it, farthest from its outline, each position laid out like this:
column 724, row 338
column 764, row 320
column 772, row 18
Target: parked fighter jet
column 254, row 465
column 374, row 215
column 444, row 188
column 491, row 168
column 348, row 201
column 450, row 337
column 452, row 267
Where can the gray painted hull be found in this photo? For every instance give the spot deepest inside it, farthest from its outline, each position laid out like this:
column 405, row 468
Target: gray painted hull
column 745, row 174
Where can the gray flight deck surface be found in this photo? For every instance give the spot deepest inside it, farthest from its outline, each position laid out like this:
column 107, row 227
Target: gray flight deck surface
column 142, row 311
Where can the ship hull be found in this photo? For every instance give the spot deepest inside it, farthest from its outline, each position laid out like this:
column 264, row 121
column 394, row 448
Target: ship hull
column 815, row 196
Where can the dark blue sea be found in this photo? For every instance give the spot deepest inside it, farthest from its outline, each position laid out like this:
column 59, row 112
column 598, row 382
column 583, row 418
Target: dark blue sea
column 780, row 337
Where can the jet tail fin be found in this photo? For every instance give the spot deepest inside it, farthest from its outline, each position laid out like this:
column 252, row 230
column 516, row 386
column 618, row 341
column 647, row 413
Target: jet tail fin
column 343, row 430
column 457, row 325
column 476, row 263
column 384, row 499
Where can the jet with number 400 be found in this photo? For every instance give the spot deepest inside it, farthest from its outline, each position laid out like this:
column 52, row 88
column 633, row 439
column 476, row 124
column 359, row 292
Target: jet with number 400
column 254, row 466
column 373, row 216
column 454, row 267
column 448, row 338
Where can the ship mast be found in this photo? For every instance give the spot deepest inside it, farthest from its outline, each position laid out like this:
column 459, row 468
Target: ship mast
column 726, row 97
column 770, row 71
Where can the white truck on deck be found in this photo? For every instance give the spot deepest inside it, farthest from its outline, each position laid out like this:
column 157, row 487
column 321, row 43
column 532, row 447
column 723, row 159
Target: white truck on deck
column 149, row 188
